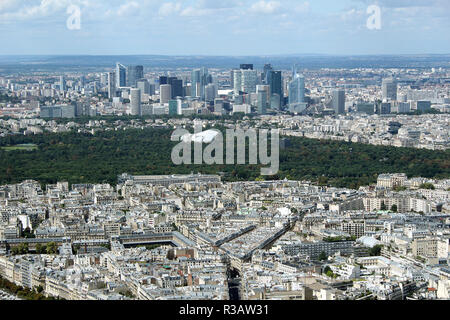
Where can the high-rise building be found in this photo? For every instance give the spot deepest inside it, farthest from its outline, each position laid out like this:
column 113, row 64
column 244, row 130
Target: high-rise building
column 237, row 81
column 144, row 86
column 210, row 92
column 423, row 105
column 297, row 90
column 264, row 76
column 218, row 105
column 104, row 79
column 389, row 87
column 199, row 80
column 152, row 89
column 62, row 84
column 135, row 102
column 275, row 102
column 135, row 73
column 111, row 85
column 232, row 78
column 246, row 66
column 262, row 102
column 404, row 107
column 275, row 81
column 163, row 80
column 121, row 75
column 338, row 100
column 165, row 93
column 266, row 88
column 177, row 87
column 249, row 80
column 173, row 107
column 384, row 108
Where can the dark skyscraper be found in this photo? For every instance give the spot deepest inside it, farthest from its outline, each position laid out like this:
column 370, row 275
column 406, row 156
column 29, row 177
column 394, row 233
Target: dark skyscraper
column 276, row 84
column 246, row 67
column 163, row 80
column 177, row 87
column 135, row 73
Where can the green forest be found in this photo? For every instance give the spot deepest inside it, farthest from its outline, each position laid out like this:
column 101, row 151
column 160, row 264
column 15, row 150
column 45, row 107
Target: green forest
column 84, row 158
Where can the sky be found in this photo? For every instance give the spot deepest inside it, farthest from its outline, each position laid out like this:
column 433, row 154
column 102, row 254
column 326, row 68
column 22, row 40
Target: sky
column 223, row 27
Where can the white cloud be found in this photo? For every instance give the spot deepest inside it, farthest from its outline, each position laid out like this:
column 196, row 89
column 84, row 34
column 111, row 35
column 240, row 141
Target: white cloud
column 25, row 10
column 264, row 7
column 169, row 8
column 127, row 8
column 7, row 4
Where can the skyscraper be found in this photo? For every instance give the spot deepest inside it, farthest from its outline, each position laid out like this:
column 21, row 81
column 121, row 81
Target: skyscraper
column 267, row 69
column 246, row 66
column 249, row 80
column 111, row 85
column 104, row 79
column 338, row 99
column 163, row 80
column 297, row 90
column 165, row 93
column 389, row 87
column 276, row 84
column 82, row 81
column 199, row 80
column 262, row 102
column 121, row 75
column 135, row 73
column 177, row 87
column 210, row 92
column 62, row 84
column 237, row 81
column 144, row 86
column 135, row 102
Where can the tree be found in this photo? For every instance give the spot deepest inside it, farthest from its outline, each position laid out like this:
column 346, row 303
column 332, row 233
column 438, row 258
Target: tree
column 383, row 206
column 27, row 233
column 323, row 256
column 23, row 248
column 428, row 186
column 171, row 255
column 394, row 208
column 40, row 249
column 375, row 251
column 52, row 248
column 323, row 181
column 76, row 248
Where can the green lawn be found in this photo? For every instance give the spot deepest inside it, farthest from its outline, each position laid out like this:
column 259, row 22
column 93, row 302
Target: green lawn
column 21, row 147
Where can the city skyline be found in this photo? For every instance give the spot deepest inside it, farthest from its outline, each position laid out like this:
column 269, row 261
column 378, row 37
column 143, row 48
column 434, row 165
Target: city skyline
column 204, row 27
